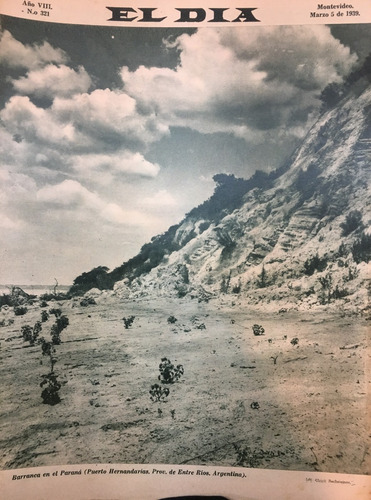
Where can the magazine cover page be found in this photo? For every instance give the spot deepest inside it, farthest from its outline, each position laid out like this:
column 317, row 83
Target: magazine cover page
column 184, row 249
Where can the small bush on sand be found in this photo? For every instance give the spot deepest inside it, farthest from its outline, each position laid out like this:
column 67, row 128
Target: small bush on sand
column 48, row 349
column 60, row 324
column 55, row 334
column 88, row 301
column 50, row 383
column 168, row 372
column 237, row 288
column 6, row 322
column 294, row 341
column 20, row 310
column 57, row 312
column 27, row 335
column 158, row 393
column 201, row 326
column 5, row 300
column 50, row 394
column 171, row 319
column 128, row 321
column 36, row 330
column 44, row 316
column 326, row 292
column 30, row 334
column 258, row 330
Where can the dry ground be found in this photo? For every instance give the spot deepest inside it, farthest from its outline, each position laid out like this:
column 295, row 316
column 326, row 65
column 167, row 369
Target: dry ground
column 243, row 399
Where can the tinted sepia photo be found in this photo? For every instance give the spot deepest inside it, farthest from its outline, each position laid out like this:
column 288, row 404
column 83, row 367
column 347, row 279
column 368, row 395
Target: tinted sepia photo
column 185, row 246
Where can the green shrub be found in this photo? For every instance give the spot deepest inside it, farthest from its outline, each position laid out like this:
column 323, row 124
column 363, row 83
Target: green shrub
column 183, row 272
column 27, row 334
column 30, row 334
column 361, row 249
column 6, row 322
column 6, row 300
column 342, row 250
column 226, row 281
column 60, row 324
column 258, row 330
column 326, row 284
column 203, row 226
column 128, row 321
column 44, row 316
column 353, row 273
column 262, row 281
column 307, row 180
column 87, row 301
column 36, row 330
column 237, row 288
column 352, row 222
column 57, row 312
column 339, row 293
column 48, row 349
column 96, row 278
column 50, row 394
column 54, row 296
column 182, row 290
column 331, row 95
column 158, row 393
column 55, row 335
column 168, row 372
column 20, row 310
column 313, row 264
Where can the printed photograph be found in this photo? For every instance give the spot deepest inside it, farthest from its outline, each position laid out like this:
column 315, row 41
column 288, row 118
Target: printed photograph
column 185, row 246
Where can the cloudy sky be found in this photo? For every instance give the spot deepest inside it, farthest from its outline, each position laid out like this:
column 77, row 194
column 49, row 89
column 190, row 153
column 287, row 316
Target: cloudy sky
column 110, row 135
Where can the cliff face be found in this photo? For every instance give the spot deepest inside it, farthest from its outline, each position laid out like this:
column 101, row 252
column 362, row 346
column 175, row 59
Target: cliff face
column 300, row 239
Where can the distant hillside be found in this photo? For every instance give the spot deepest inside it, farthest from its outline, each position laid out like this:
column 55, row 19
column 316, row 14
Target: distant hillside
column 297, row 236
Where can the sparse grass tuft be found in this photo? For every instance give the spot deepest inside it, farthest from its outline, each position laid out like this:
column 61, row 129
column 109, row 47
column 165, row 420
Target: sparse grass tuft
column 253, row 457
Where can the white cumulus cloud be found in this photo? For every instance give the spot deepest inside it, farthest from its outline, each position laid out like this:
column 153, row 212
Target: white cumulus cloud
column 244, row 82
column 121, row 162
column 23, row 117
column 52, row 81
column 104, row 112
column 74, row 196
column 16, row 54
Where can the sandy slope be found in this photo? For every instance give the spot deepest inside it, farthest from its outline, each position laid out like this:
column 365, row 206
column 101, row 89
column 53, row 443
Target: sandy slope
column 311, row 404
